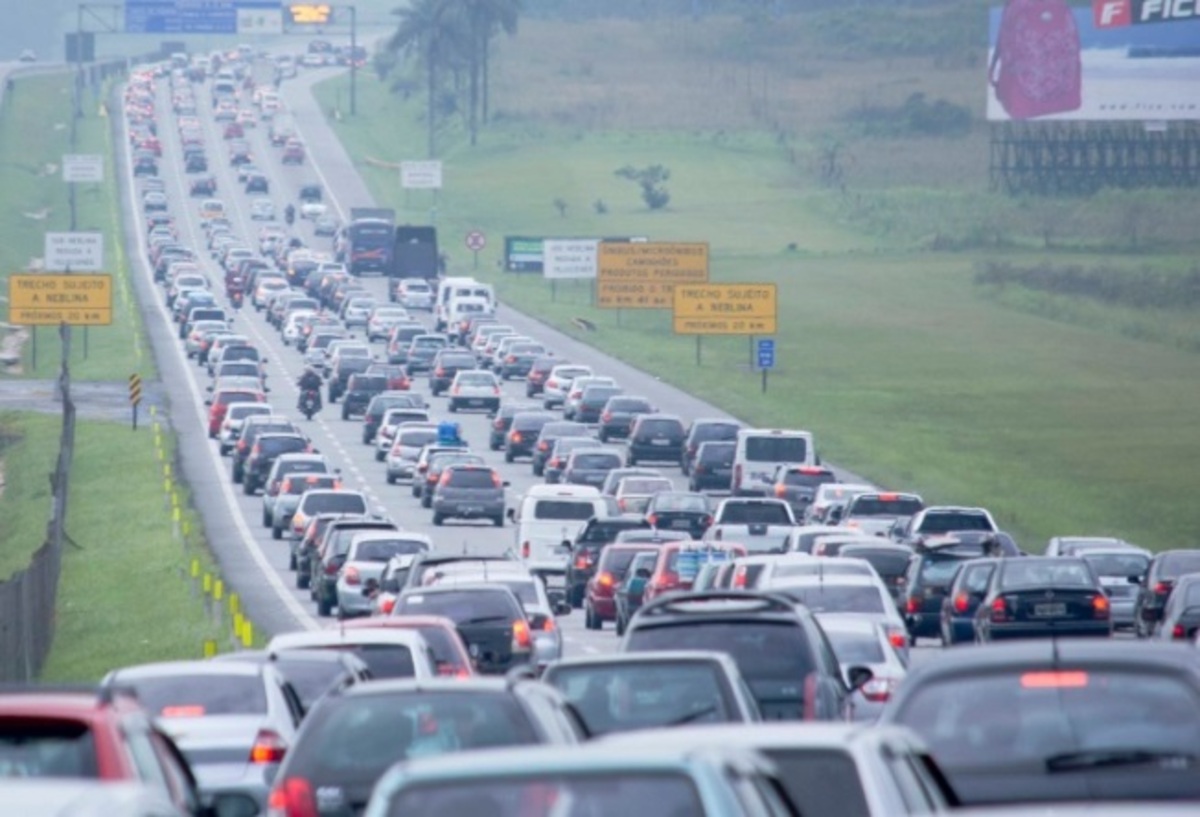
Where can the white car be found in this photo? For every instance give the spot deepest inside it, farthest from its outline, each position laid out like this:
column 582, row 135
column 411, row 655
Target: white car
column 294, row 328
column 382, row 319
column 472, row 388
column 312, row 209
column 406, row 448
column 413, row 293
column 558, row 383
column 231, row 426
column 861, row 597
column 392, row 421
column 262, row 210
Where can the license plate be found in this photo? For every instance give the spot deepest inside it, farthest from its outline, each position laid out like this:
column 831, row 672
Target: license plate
column 476, row 401
column 1050, row 610
column 660, row 442
column 472, row 510
column 681, row 523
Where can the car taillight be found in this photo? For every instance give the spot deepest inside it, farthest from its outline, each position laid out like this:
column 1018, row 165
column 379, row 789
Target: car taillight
column 268, row 748
column 877, row 690
column 739, row 578
column 387, row 605
column 605, row 579
column 552, row 384
column 511, row 359
column 999, row 610
column 543, row 446
column 548, row 625
column 496, row 481
column 524, row 550
column 780, row 490
column 440, row 372
column 515, row 436
column 961, row 603
column 737, row 475
column 445, row 480
column 331, row 568
column 556, row 462
column 456, row 389
column 606, row 416
column 582, row 562
column 897, row 638
column 1162, row 588
column 912, row 605
column 352, row 576
column 520, row 635
column 621, row 504
column 498, row 424
column 495, row 390
column 292, row 798
column 1100, row 606
column 653, row 520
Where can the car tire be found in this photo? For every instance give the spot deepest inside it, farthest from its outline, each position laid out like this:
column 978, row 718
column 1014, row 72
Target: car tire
column 539, row 471
column 438, row 520
column 391, row 479
column 302, row 581
column 277, row 533
column 498, row 521
column 379, row 456
column 223, row 450
column 324, row 608
column 266, row 519
column 508, row 456
column 601, row 435
column 415, row 490
column 619, row 626
column 291, row 560
column 453, row 407
column 248, row 486
column 426, row 501
column 236, row 476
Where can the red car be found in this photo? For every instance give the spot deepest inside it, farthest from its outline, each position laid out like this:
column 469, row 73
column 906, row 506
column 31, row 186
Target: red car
column 293, row 152
column 101, row 735
column 234, row 130
column 218, row 404
column 449, row 651
column 600, row 593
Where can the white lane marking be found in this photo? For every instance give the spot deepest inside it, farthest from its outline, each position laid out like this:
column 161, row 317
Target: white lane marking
column 303, row 616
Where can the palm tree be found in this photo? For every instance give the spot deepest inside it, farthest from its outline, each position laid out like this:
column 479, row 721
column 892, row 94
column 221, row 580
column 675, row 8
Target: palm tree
column 429, row 32
column 494, row 16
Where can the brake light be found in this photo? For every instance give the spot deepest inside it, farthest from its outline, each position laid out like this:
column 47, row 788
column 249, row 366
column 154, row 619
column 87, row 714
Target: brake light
column 387, row 605
column 520, row 633
column 552, row 383
column 780, row 490
column 653, row 520
column 511, row 359
column 352, row 576
column 498, row 424
column 1073, row 679
column 445, row 480
column 606, row 416
column 543, row 446
column 515, row 436
column 999, row 610
column 495, row 390
column 268, row 748
column 457, row 389
column 878, row 690
column 739, row 578
column 292, row 798
column 331, row 568
column 1162, row 588
column 524, row 550
column 1100, row 606
column 440, row 372
column 912, row 605
column 1179, row 632
column 582, row 562
column 605, row 579
column 961, row 603
column 496, row 481
column 286, row 487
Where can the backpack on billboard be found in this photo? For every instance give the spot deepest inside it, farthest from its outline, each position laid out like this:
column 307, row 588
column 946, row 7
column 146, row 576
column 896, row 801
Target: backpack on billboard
column 1035, row 68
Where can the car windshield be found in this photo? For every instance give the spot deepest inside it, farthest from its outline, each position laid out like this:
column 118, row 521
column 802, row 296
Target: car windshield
column 353, row 741
column 762, row 649
column 755, row 513
column 773, row 448
column 1021, row 573
column 552, row 795
column 947, row 522
column 45, row 747
column 827, row 597
column 335, row 502
column 1038, row 714
column 624, row 696
column 855, row 647
column 196, row 695
column 563, row 510
column 1117, row 564
column 382, row 550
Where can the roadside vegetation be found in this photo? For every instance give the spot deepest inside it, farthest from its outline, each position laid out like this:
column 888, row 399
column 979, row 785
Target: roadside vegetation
column 801, row 149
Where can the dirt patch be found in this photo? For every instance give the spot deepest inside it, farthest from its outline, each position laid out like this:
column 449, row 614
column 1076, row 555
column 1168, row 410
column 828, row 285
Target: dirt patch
column 10, row 349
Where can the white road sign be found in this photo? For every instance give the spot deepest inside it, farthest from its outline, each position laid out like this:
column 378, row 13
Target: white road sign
column 569, row 258
column 83, row 167
column 77, row 252
column 259, row 21
column 424, row 175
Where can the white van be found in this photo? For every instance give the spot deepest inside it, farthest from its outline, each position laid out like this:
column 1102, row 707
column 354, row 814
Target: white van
column 759, row 450
column 452, row 289
column 462, row 310
column 549, row 518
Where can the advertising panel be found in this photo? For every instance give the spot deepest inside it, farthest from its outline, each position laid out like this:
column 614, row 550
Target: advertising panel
column 643, row 275
column 566, row 258
column 1117, row 60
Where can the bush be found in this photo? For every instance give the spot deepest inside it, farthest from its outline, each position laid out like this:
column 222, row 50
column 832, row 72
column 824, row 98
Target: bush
column 651, row 180
column 1142, row 288
column 916, row 117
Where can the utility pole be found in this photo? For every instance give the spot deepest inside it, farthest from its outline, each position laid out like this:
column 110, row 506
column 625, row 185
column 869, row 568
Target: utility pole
column 353, row 60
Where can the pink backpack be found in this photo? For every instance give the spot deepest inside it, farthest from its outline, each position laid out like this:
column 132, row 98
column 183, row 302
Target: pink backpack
column 1035, row 66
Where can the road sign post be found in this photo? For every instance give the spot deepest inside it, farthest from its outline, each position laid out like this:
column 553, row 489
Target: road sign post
column 135, row 396
column 766, row 358
column 475, row 241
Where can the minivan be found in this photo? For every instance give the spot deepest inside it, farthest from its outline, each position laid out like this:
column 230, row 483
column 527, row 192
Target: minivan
column 451, row 289
column 548, row 520
column 760, row 450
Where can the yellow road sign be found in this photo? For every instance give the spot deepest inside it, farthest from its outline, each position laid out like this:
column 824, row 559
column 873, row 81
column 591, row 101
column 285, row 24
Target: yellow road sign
column 135, row 397
column 310, row 13
column 725, row 309
column 80, row 300
column 641, row 274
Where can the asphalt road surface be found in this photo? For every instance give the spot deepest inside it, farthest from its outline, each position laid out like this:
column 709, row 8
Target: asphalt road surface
column 254, row 564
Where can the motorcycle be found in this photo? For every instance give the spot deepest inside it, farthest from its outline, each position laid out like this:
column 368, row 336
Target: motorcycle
column 236, row 298
column 310, row 402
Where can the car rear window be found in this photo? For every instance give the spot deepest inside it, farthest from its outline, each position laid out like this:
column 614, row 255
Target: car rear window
column 1117, row 564
column 476, row 478
column 337, row 502
column 632, row 485
column 827, row 597
column 808, row 479
column 714, row 431
column 299, row 486
column 461, row 607
column 42, row 747
column 627, row 695
column 772, row 448
column 855, row 647
column 418, row 439
column 873, row 506
column 311, row 679
column 720, row 453
column 1177, row 564
column 382, row 550
column 199, row 695
column 370, row 382
column 617, row 561
column 665, row 426
column 938, row 571
column 1045, row 573
column 763, row 649
column 563, row 510
column 887, row 563
column 529, row 422
column 589, row 793
column 355, row 740
column 457, row 361
column 947, row 522
column 596, row 462
column 628, row 404
column 821, row 782
column 686, row 503
column 754, row 513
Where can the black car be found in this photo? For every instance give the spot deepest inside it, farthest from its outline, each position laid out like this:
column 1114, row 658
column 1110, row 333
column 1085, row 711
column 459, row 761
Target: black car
column 327, row 558
column 926, row 584
column 523, row 431
column 1155, row 588
column 548, row 435
column 565, row 448
column 379, row 405
column 257, row 183
column 145, row 165
column 310, row 193
column 712, row 467
column 1039, row 598
column 655, row 438
column 519, row 360
column 704, row 431
column 777, row 644
column 592, row 402
column 502, row 421
column 265, row 448
column 339, row 378
column 195, row 162
column 1059, row 720
column 539, row 370
column 489, row 618
column 586, row 549
column 889, row 559
column 680, row 511
column 245, row 443
column 361, row 388
column 446, row 364
column 616, row 418
column 589, row 467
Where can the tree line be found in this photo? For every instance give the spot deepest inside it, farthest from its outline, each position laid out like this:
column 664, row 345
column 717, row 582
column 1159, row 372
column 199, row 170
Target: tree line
column 450, row 42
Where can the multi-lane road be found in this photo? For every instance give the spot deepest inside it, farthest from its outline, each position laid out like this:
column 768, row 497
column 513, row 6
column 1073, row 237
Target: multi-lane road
column 253, row 563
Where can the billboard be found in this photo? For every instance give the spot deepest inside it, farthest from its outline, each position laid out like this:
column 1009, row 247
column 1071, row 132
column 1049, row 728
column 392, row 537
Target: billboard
column 522, row 254
column 725, row 309
column 642, row 275
column 564, row 258
column 1115, row 60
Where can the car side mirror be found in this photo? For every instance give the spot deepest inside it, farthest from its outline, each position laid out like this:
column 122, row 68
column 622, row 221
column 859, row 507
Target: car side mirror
column 511, row 514
column 505, row 484
column 859, row 676
column 370, row 588
column 562, row 608
column 208, row 401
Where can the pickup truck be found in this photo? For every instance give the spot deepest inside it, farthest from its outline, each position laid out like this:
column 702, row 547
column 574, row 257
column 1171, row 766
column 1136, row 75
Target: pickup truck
column 762, row 525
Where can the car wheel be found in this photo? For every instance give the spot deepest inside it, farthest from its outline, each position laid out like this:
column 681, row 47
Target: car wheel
column 291, row 561
column 508, row 456
column 248, row 486
column 236, row 475
column 277, row 533
column 391, row 479
column 302, row 581
column 537, row 472
column 620, row 625
column 266, row 519
column 416, row 492
column 426, row 501
column 453, row 407
column 498, row 521
column 324, row 608
column 223, row 450
column 576, row 597
column 947, row 635
column 379, row 456
column 438, row 519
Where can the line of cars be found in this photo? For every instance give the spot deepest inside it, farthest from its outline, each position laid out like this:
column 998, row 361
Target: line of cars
column 750, row 616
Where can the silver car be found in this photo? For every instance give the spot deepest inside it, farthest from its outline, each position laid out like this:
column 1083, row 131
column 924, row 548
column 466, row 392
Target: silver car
column 358, row 311
column 469, row 492
column 296, row 466
column 412, row 294
column 1114, row 567
column 474, row 389
column 368, row 555
column 862, row 642
column 232, row 721
column 235, row 416
column 402, row 457
column 558, row 382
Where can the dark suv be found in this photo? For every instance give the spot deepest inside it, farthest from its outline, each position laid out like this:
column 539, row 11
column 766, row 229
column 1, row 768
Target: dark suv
column 776, row 643
column 592, row 402
column 548, row 435
column 446, row 364
column 523, row 431
column 705, row 431
column 469, row 492
column 251, row 428
column 712, row 467
column 585, row 551
column 379, row 405
column 655, row 438
column 339, row 378
column 264, row 452
column 1155, row 588
column 360, row 389
column 616, row 418
column 926, row 585
column 325, row 562
column 502, row 421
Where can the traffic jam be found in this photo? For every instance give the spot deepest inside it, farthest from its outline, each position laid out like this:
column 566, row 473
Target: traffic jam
column 499, row 544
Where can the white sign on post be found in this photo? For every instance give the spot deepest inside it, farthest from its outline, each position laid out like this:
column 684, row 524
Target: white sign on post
column 425, row 175
column 83, row 167
column 569, row 258
column 77, row 252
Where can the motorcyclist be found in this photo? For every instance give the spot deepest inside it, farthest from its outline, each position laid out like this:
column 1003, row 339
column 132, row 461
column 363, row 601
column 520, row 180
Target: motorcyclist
column 309, row 381
column 289, row 215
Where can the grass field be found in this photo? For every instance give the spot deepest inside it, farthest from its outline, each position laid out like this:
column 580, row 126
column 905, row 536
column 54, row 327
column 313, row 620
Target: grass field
column 908, row 371
column 34, row 136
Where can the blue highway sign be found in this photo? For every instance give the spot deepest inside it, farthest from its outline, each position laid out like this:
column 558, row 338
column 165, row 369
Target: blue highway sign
column 766, row 353
column 200, row 16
